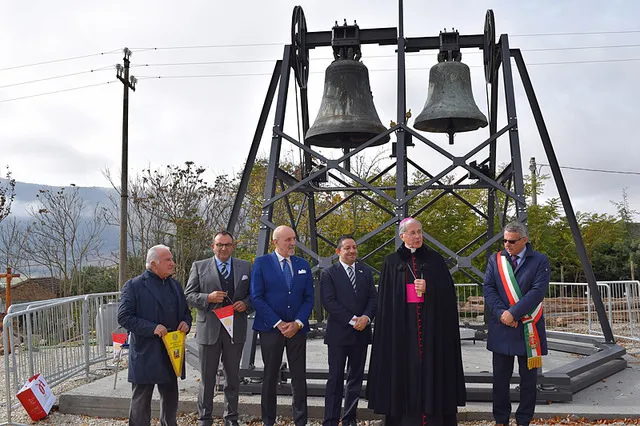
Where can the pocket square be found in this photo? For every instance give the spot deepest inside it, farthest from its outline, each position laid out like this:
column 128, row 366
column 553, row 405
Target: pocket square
column 244, row 277
column 302, row 271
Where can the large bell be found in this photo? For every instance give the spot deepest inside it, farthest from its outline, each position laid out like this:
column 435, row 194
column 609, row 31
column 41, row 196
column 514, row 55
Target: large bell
column 347, row 116
column 450, row 107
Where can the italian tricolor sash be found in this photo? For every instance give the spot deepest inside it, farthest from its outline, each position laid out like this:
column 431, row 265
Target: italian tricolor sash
column 532, row 340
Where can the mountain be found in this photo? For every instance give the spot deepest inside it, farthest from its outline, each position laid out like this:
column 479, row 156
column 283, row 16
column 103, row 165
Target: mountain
column 26, row 195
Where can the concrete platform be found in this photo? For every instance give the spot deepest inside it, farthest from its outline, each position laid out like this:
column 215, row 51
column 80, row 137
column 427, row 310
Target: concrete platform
column 614, row 397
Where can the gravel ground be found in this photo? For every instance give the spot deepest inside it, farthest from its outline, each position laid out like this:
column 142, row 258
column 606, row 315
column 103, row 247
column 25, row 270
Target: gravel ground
column 56, row 418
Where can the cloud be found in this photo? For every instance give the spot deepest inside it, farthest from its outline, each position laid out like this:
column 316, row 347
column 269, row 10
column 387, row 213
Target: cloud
column 43, row 161
column 208, row 112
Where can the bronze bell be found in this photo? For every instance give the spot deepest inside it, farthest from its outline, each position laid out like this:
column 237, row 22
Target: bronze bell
column 347, row 116
column 450, row 107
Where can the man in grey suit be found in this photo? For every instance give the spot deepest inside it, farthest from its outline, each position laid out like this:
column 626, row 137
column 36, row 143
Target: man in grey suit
column 214, row 283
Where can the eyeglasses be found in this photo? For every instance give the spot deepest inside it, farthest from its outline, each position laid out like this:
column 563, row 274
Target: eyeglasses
column 505, row 241
column 223, row 245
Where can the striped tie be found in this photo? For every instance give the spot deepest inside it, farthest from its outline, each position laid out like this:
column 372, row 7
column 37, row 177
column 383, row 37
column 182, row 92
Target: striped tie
column 352, row 277
column 223, row 270
column 514, row 261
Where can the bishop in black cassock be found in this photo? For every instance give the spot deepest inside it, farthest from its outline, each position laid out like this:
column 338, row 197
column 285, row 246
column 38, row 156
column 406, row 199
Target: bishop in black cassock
column 415, row 372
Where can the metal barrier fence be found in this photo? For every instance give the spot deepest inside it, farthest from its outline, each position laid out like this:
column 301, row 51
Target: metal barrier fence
column 62, row 338
column 58, row 338
column 568, row 307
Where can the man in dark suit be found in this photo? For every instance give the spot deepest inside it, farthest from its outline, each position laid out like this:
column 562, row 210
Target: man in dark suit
column 151, row 305
column 215, row 283
column 515, row 283
column 282, row 296
column 349, row 296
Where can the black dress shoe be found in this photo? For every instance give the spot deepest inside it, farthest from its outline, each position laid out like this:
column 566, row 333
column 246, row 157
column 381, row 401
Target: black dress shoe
column 231, row 423
column 349, row 423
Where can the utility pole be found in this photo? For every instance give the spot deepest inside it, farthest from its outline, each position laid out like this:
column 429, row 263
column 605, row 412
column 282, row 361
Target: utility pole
column 534, row 181
column 122, row 73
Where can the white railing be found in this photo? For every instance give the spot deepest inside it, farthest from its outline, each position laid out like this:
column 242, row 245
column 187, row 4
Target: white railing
column 568, row 307
column 58, row 338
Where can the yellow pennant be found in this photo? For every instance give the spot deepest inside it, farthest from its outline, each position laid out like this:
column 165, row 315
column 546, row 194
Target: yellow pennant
column 174, row 343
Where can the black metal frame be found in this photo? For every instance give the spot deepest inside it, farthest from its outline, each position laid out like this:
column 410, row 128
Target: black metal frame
column 498, row 187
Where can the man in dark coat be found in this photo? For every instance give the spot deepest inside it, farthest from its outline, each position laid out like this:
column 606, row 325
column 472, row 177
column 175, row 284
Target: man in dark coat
column 151, row 305
column 349, row 296
column 515, row 283
column 415, row 372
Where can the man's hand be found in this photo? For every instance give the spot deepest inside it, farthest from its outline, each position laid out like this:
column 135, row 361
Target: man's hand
column 288, row 329
column 294, row 327
column 361, row 323
column 216, row 296
column 160, row 330
column 282, row 326
column 421, row 286
column 507, row 319
column 239, row 306
column 183, row 327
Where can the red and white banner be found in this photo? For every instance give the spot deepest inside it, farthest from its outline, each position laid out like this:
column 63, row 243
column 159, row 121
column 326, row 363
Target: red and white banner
column 226, row 318
column 36, row 397
column 119, row 339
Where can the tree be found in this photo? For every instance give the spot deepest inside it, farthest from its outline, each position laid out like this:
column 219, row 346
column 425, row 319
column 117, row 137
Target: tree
column 13, row 240
column 98, row 279
column 64, row 235
column 174, row 205
column 7, row 194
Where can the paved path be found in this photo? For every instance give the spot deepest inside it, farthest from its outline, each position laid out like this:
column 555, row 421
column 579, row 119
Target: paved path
column 615, row 397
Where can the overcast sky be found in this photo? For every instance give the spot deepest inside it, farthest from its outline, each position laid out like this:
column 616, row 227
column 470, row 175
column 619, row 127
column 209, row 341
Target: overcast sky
column 587, row 84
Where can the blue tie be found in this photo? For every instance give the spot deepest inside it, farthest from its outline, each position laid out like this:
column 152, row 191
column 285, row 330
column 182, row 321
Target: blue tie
column 286, row 270
column 223, row 270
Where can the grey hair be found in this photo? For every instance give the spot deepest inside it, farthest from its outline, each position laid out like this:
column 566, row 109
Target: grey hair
column 517, row 227
column 405, row 222
column 152, row 254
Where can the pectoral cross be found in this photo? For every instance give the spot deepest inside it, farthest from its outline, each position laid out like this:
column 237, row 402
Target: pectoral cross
column 8, row 276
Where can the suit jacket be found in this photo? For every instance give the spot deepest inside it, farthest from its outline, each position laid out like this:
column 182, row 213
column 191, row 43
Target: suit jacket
column 203, row 279
column 342, row 303
column 272, row 299
column 533, row 275
column 141, row 310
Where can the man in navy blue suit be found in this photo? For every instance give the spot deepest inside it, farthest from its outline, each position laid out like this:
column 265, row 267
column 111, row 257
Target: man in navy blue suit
column 349, row 296
column 282, row 296
column 515, row 283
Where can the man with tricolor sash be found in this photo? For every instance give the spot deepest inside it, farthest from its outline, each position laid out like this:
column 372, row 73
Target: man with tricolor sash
column 515, row 283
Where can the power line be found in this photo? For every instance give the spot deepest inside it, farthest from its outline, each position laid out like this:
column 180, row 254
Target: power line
column 60, row 60
column 370, row 69
column 585, row 169
column 245, row 61
column 56, row 77
column 216, row 46
column 544, row 49
column 576, row 33
column 206, row 46
column 168, row 77
column 57, row 91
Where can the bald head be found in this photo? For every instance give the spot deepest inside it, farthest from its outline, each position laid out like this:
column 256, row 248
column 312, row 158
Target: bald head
column 284, row 238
